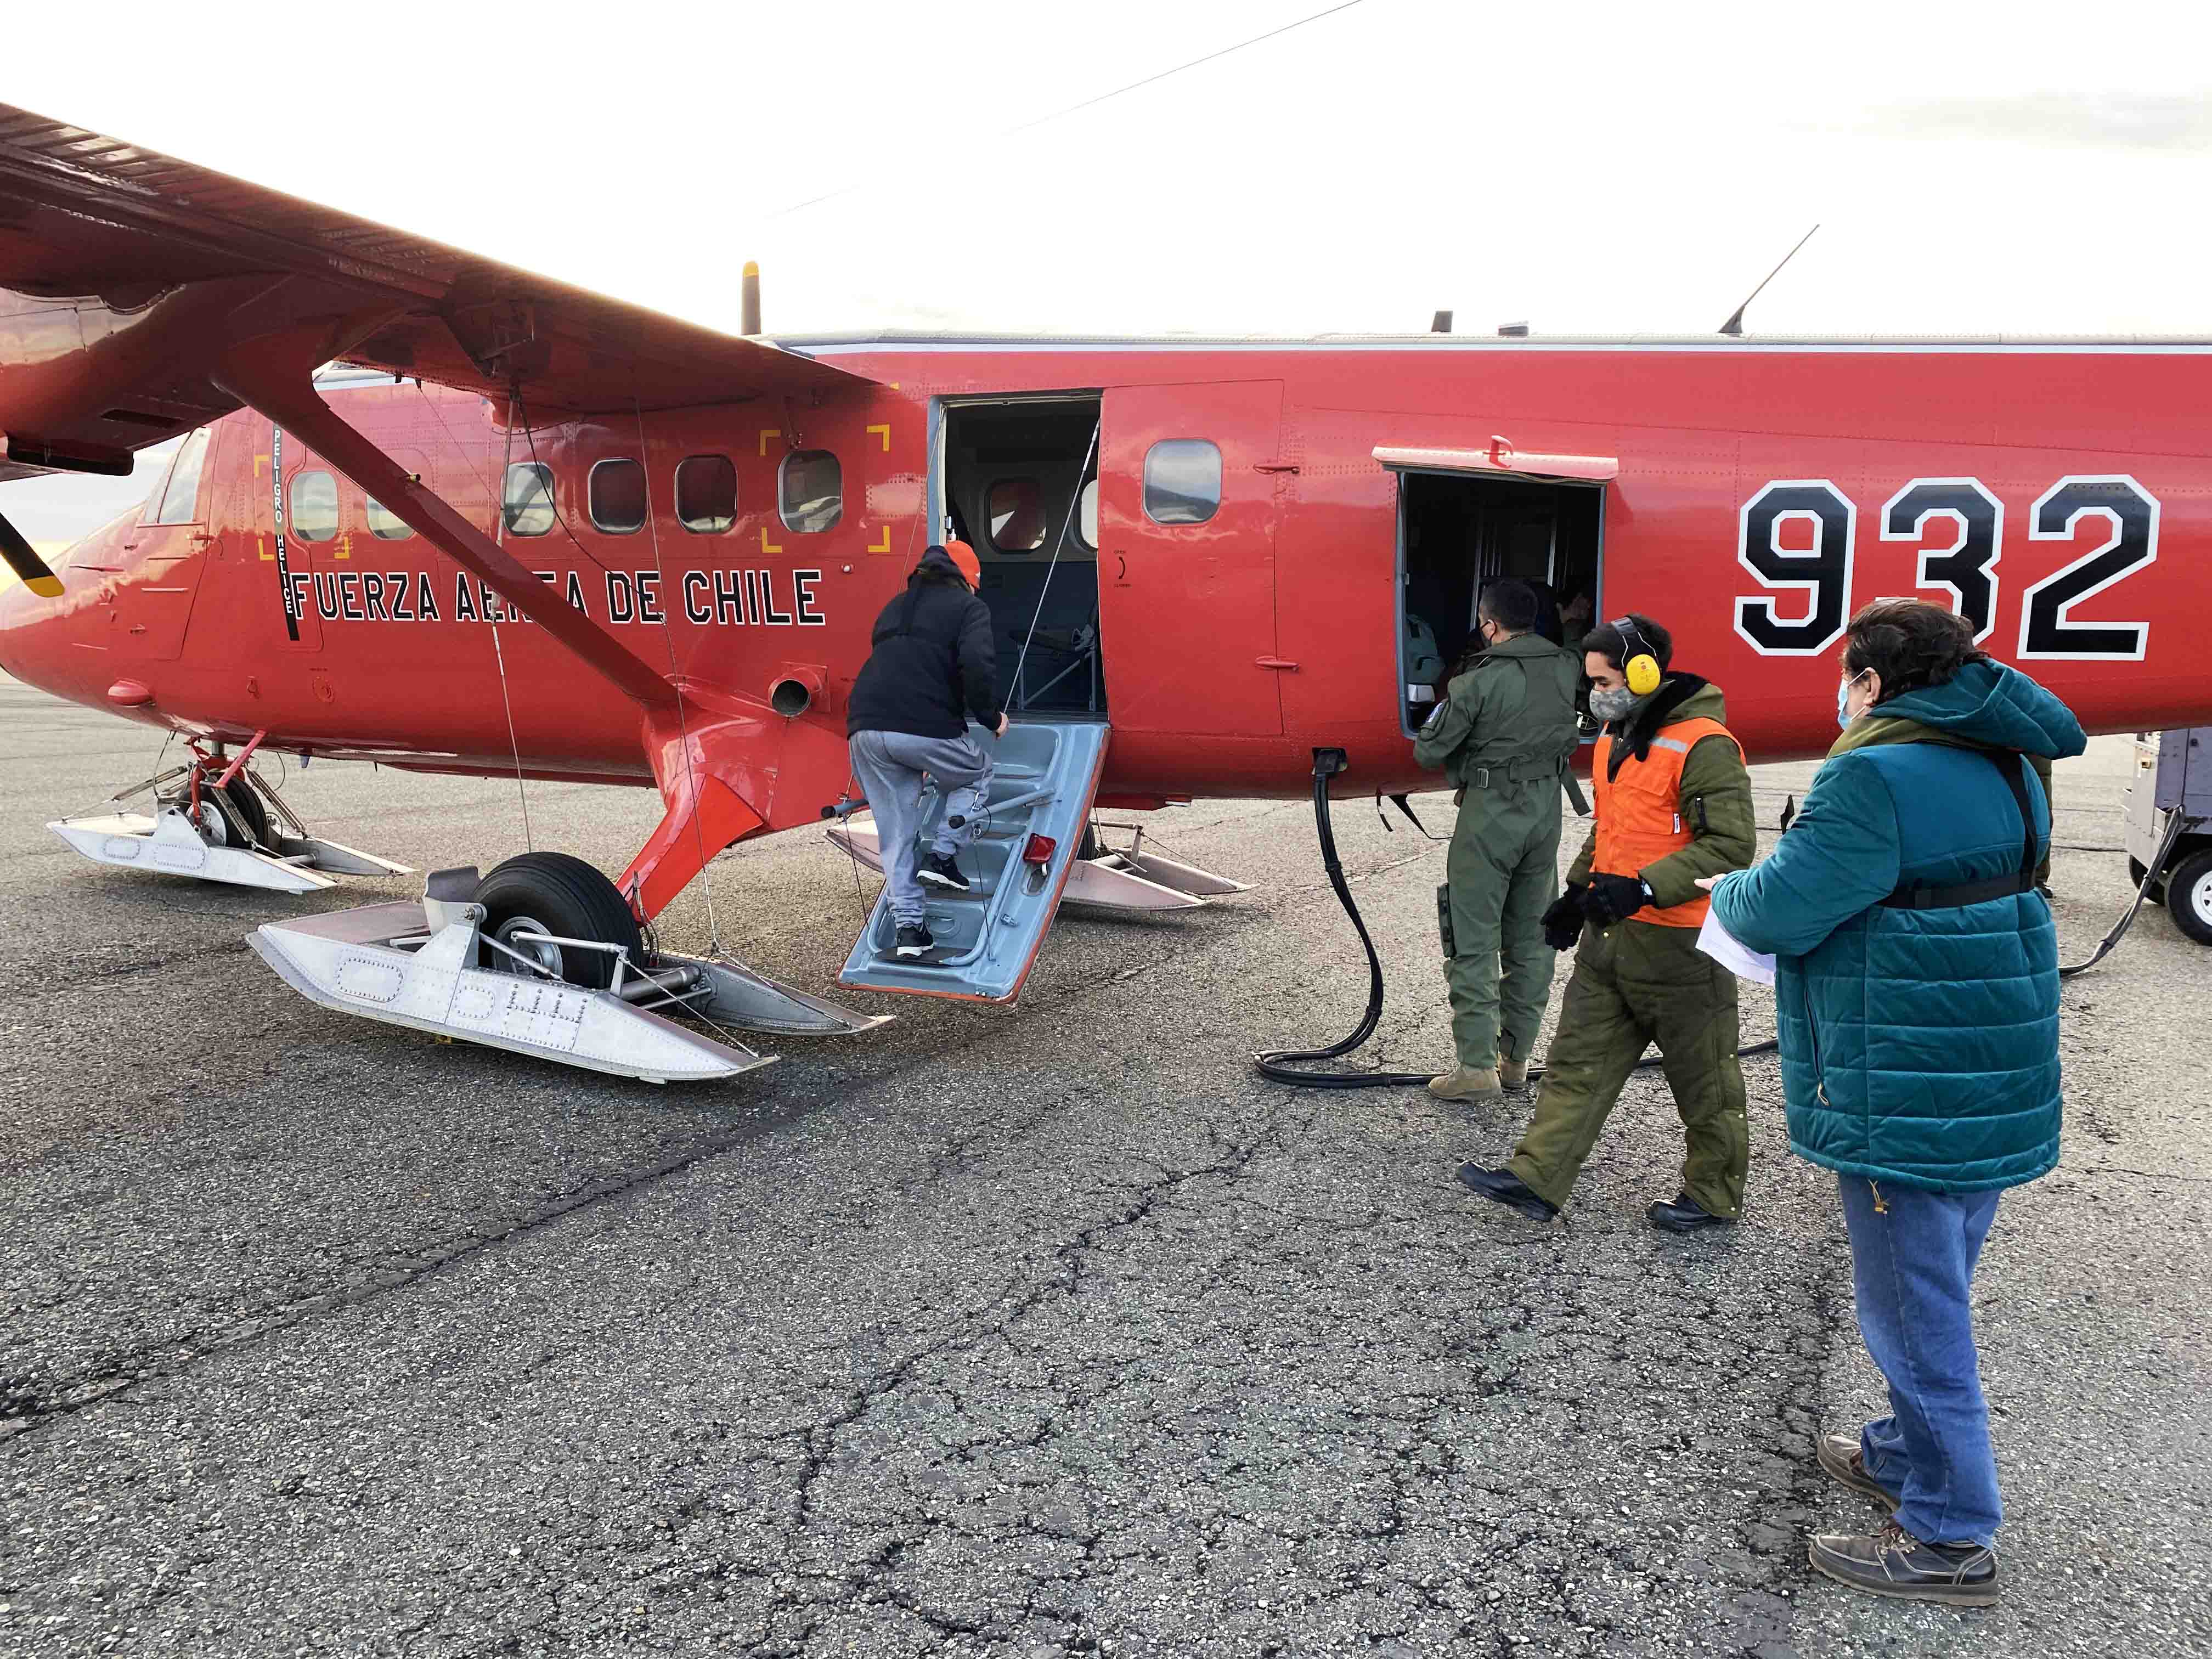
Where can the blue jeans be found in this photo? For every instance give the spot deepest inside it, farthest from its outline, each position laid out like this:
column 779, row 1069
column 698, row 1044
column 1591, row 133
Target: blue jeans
column 1912, row 1262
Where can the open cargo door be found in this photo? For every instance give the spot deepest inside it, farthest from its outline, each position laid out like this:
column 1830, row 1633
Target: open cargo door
column 1041, row 795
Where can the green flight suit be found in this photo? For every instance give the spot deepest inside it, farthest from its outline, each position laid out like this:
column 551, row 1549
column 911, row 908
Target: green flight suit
column 1502, row 735
column 1638, row 982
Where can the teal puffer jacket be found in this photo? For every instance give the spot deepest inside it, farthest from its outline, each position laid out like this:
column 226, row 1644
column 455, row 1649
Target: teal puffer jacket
column 1917, row 1046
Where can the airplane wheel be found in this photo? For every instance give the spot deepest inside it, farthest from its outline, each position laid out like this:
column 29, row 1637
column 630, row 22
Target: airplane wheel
column 2136, row 870
column 553, row 893
column 2189, row 895
column 246, row 801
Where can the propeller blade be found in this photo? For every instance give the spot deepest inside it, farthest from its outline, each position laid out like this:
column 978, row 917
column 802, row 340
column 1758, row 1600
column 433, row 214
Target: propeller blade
column 24, row 561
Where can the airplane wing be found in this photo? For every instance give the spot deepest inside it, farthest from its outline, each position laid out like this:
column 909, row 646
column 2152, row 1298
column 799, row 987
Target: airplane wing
column 125, row 276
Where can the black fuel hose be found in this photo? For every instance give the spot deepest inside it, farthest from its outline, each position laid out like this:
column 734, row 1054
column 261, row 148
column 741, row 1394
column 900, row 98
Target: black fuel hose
column 2175, row 823
column 1288, row 1065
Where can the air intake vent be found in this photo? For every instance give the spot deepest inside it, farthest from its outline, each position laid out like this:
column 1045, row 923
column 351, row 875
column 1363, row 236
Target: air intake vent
column 135, row 417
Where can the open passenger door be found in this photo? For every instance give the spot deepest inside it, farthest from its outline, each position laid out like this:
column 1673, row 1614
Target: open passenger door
column 1039, row 803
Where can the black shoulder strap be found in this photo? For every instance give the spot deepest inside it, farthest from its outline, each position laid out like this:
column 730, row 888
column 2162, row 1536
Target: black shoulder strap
column 2013, row 770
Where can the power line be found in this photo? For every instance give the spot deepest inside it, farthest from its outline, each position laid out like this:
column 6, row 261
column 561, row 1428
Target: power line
column 1088, row 103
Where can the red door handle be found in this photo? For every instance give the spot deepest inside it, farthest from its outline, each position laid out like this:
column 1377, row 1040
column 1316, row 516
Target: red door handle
column 1276, row 662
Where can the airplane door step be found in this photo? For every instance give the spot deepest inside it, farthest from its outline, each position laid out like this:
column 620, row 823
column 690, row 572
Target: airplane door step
column 1020, row 862
column 1134, row 880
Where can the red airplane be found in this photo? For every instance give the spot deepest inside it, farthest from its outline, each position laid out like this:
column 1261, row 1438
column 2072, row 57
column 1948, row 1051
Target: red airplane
column 528, row 530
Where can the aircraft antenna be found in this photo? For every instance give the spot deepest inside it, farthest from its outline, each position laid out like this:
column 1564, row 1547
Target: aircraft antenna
column 1734, row 326
column 1161, row 74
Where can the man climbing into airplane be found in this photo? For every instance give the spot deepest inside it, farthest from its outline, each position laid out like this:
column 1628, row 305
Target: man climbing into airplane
column 1502, row 735
column 1673, row 804
column 931, row 668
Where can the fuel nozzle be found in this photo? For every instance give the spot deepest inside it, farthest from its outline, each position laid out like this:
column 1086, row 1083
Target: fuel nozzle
column 1327, row 763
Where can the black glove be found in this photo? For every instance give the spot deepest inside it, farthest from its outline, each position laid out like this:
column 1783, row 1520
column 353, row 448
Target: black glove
column 1614, row 898
column 1563, row 922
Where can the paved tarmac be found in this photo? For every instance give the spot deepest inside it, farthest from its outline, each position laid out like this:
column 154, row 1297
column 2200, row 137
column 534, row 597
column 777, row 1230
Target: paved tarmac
column 1014, row 1333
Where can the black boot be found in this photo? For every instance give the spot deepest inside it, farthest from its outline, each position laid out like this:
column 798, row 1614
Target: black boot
column 1685, row 1215
column 1504, row 1187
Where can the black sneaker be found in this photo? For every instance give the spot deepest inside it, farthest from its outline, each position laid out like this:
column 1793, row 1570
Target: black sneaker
column 914, row 941
column 1892, row 1562
column 1685, row 1215
column 940, row 870
column 1504, row 1187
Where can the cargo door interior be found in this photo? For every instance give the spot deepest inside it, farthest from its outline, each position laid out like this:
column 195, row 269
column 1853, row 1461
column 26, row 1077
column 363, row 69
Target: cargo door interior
column 986, row 939
column 1467, row 517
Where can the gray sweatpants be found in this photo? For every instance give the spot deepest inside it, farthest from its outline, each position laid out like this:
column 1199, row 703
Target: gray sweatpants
column 889, row 768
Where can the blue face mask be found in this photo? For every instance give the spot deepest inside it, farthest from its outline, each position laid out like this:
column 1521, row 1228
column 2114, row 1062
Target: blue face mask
column 1844, row 699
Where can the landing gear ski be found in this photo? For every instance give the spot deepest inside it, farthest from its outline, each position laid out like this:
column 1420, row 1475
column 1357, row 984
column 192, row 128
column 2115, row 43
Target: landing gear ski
column 215, row 819
column 544, row 957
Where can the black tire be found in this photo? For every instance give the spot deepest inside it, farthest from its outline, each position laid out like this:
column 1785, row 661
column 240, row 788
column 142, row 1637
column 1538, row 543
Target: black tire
column 2136, row 870
column 2189, row 895
column 245, row 808
column 563, row 896
column 246, row 801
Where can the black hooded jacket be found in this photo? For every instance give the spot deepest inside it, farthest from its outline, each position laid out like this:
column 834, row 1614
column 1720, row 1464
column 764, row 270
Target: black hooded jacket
column 932, row 666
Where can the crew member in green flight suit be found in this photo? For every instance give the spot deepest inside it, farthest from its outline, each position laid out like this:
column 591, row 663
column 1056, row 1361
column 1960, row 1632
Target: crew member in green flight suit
column 1502, row 735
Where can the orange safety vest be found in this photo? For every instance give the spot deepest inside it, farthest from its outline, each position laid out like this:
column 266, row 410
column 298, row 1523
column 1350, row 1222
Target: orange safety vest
column 1639, row 813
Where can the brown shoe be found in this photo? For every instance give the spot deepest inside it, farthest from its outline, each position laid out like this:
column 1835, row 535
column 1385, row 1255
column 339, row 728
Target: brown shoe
column 1467, row 1085
column 1513, row 1075
column 1892, row 1562
column 1841, row 1456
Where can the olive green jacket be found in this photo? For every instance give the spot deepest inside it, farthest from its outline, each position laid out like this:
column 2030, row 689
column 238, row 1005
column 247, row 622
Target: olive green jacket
column 1714, row 794
column 1514, row 711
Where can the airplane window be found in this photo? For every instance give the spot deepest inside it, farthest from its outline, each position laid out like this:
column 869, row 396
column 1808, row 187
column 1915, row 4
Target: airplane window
column 181, row 500
column 384, row 525
column 527, row 503
column 813, row 490
column 1086, row 516
column 1016, row 516
column 314, row 513
column 617, row 492
column 1182, row 481
column 707, row 494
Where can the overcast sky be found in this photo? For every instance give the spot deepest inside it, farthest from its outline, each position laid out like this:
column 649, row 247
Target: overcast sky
column 1584, row 167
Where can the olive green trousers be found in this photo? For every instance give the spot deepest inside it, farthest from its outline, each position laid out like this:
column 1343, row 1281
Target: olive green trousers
column 1502, row 872
column 1635, row 984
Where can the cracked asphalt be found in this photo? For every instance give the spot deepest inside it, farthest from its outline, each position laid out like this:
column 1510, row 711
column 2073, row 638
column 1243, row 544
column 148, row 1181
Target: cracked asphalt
column 1013, row 1332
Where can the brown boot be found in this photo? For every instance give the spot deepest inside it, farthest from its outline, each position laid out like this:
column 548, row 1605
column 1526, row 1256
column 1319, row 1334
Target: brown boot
column 1513, row 1075
column 1467, row 1085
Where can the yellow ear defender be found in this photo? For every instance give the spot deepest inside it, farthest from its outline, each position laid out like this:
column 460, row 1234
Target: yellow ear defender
column 1639, row 665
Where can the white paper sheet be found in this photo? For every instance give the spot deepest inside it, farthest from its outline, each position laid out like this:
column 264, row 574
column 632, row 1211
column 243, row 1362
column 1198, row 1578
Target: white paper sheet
column 1725, row 948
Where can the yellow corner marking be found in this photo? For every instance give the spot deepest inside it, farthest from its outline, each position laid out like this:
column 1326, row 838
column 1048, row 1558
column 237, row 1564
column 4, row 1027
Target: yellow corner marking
column 884, row 546
column 768, row 432
column 766, row 545
column 259, row 461
column 346, row 545
column 886, row 431
column 267, row 558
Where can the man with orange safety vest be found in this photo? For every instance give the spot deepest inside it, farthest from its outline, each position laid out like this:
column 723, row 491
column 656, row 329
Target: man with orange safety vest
column 1673, row 804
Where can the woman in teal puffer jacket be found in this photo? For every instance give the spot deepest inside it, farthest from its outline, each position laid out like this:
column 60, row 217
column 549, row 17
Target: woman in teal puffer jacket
column 1917, row 1002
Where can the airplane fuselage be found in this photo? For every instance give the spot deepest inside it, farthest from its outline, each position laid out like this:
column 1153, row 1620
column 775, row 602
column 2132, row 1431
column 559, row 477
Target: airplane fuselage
column 1759, row 492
